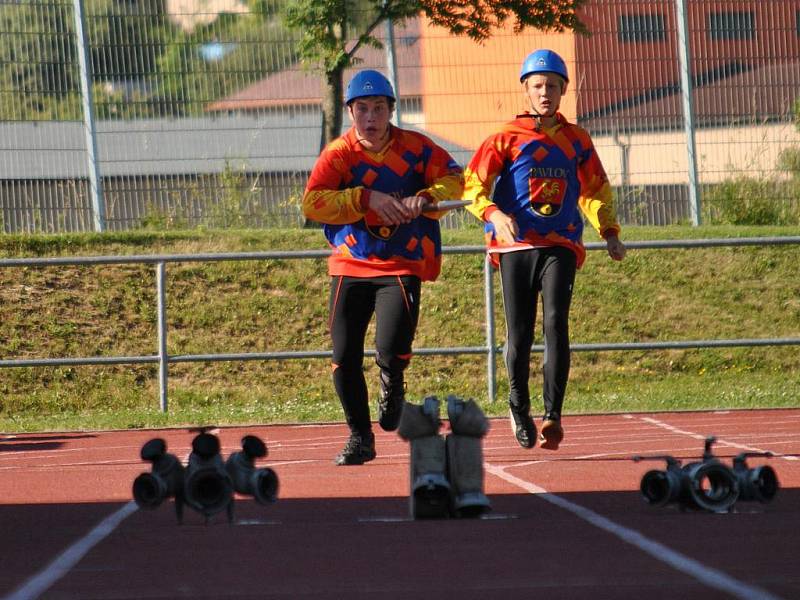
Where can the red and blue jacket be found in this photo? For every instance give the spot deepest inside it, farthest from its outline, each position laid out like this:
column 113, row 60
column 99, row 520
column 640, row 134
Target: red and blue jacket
column 544, row 179
column 337, row 195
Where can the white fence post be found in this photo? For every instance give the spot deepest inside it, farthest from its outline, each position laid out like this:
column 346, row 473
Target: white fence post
column 163, row 357
column 688, row 110
column 95, row 181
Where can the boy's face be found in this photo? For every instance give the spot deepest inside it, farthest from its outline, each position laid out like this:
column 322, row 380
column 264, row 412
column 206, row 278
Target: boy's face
column 544, row 91
column 371, row 116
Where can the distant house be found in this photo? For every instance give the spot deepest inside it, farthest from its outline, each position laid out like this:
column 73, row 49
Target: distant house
column 744, row 63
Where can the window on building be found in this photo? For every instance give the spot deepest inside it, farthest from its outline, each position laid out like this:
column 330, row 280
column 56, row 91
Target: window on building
column 797, row 22
column 732, row 25
column 641, row 28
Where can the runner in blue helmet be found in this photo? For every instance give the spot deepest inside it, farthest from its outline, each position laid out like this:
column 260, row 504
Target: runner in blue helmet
column 533, row 182
column 368, row 189
column 368, row 83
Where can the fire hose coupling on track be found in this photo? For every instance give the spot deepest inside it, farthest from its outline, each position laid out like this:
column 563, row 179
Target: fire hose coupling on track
column 446, row 473
column 708, row 484
column 165, row 480
column 262, row 483
column 206, row 483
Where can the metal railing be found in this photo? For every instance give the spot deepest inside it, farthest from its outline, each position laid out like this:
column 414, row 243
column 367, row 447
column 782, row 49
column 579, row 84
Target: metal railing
column 490, row 348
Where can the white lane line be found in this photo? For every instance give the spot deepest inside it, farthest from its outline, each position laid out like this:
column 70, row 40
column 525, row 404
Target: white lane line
column 57, row 466
column 704, row 574
column 303, row 461
column 39, row 583
column 251, row 522
column 486, row 517
column 720, row 441
column 384, row 520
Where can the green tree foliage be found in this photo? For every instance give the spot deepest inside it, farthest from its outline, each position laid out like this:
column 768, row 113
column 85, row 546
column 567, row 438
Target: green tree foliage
column 332, row 31
column 126, row 37
column 143, row 65
column 38, row 68
column 126, row 41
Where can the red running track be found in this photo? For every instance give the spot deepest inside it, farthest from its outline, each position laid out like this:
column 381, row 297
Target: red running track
column 568, row 524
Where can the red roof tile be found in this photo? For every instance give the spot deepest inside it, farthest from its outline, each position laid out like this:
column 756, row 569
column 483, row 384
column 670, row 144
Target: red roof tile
column 755, row 95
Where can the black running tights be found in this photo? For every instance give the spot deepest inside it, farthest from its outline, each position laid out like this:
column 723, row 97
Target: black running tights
column 524, row 275
column 395, row 302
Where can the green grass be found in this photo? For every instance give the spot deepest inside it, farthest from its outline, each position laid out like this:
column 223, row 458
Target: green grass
column 275, row 305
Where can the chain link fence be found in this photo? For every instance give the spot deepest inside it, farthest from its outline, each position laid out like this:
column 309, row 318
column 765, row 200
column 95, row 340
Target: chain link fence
column 119, row 114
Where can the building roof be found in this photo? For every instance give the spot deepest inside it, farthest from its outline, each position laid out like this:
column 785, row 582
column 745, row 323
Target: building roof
column 297, row 86
column 742, row 95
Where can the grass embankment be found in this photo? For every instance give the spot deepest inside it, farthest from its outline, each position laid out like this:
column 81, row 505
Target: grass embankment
column 259, row 306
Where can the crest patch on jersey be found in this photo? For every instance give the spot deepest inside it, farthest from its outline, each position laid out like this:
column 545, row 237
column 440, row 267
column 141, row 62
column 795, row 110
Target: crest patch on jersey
column 547, row 195
column 378, row 228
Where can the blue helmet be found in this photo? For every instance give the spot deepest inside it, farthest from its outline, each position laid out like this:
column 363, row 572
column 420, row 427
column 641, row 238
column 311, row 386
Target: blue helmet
column 543, row 61
column 368, row 83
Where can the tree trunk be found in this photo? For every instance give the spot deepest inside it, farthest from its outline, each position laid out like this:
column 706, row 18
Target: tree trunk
column 332, row 105
column 331, row 115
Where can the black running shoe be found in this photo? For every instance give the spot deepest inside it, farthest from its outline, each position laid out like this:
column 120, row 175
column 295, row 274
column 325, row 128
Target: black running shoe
column 390, row 404
column 524, row 429
column 357, row 450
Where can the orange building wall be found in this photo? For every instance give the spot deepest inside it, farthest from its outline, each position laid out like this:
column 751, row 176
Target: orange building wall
column 613, row 71
column 469, row 89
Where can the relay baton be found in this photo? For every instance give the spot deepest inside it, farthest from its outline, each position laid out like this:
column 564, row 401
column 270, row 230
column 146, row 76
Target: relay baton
column 445, row 205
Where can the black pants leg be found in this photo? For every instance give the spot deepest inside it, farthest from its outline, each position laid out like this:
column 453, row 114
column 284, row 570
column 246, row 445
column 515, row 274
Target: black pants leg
column 352, row 302
column 557, row 279
column 524, row 275
column 397, row 315
column 520, row 294
column 395, row 302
